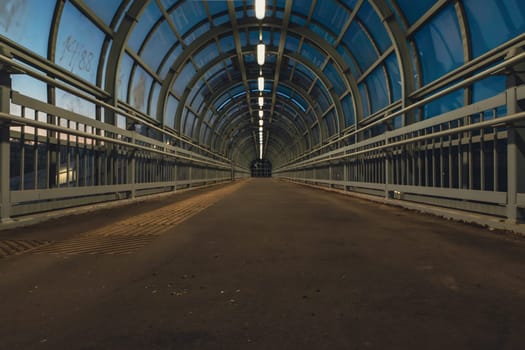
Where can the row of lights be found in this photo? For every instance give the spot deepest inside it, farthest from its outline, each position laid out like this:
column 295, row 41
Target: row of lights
column 260, row 9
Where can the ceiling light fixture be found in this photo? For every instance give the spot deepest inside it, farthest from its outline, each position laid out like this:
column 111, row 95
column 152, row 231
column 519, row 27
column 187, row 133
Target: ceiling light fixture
column 261, row 101
column 261, row 113
column 261, row 52
column 260, row 8
column 260, row 82
column 261, row 122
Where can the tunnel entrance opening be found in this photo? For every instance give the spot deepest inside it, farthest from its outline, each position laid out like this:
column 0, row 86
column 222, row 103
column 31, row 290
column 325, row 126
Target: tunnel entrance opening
column 261, row 168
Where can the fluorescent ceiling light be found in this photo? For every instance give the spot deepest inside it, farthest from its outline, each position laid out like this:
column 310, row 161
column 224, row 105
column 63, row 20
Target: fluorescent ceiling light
column 261, row 113
column 261, row 101
column 261, row 122
column 260, row 8
column 260, row 82
column 261, row 51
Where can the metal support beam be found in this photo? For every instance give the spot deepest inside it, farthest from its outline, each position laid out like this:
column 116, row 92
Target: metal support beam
column 5, row 205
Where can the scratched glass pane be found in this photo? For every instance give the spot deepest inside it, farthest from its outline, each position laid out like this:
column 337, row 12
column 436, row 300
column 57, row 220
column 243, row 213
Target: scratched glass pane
column 187, row 15
column 27, row 22
column 78, row 44
column 105, row 9
column 158, row 45
column 140, row 86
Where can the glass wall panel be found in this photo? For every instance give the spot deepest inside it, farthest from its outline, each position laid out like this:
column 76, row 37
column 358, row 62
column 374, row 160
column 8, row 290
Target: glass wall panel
column 335, row 78
column 364, row 99
column 348, row 110
column 187, row 15
column 443, row 104
column 331, row 14
column 169, row 61
column 356, row 40
column 171, row 109
column 394, row 77
column 373, row 24
column 146, row 21
column 413, row 10
column 206, row 55
column 312, row 54
column 104, row 9
column 140, row 87
column 184, row 78
column 78, row 44
column 29, row 86
column 377, row 88
column 154, row 101
column 488, row 87
column 126, row 64
column 74, row 104
column 493, row 23
column 158, row 45
column 439, row 45
column 27, row 23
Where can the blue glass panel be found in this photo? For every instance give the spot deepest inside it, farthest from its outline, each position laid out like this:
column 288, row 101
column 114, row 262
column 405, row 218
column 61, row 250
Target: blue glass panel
column 206, row 55
column 331, row 15
column 302, row 7
column 348, row 110
column 170, row 60
column 374, row 25
column 394, row 76
column 154, row 101
column 364, row 99
column 323, row 33
column 348, row 60
column 279, row 14
column 78, row 44
column 298, row 20
column 227, row 43
column 443, row 104
column 148, row 18
column 189, row 122
column 310, row 118
column 140, row 87
column 488, row 87
column 413, row 10
column 193, row 35
column 315, row 134
column 171, row 109
column 221, row 20
column 202, row 134
column 254, row 37
column 377, row 88
column 363, row 50
column 350, row 3
column 75, row 104
column 313, row 54
column 216, row 7
column 104, row 9
column 276, row 39
column 184, row 78
column 301, row 68
column 335, row 78
column 292, row 43
column 280, row 4
column 158, row 45
column 210, row 72
column 126, row 64
column 27, row 23
column 440, row 46
column 321, row 96
column 29, row 86
column 494, row 23
column 187, row 15
column 330, row 123
column 244, row 39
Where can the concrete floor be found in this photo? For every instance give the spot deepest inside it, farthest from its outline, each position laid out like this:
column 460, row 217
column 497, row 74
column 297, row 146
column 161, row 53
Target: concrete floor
column 270, row 265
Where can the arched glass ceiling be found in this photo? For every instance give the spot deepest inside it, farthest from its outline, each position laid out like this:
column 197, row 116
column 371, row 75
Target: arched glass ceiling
column 189, row 66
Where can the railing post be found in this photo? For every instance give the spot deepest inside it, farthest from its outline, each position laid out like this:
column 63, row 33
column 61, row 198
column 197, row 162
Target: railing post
column 515, row 144
column 5, row 149
column 388, row 165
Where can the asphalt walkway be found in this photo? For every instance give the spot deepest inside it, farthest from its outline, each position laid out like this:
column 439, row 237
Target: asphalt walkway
column 260, row 264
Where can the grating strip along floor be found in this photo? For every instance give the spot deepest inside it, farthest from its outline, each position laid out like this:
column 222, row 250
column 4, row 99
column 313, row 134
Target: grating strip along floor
column 14, row 247
column 128, row 235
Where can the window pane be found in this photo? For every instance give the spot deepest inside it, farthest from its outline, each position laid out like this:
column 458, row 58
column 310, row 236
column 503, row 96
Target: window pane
column 348, row 110
column 146, row 21
column 374, row 25
column 29, row 86
column 74, row 104
column 104, row 9
column 364, row 99
column 494, row 23
column 158, row 45
column 187, row 15
column 171, row 109
column 443, row 104
column 313, row 54
column 27, row 23
column 335, row 78
column 331, row 14
column 394, row 77
column 123, row 78
column 358, row 43
column 78, row 44
column 376, row 83
column 184, row 78
column 488, row 87
column 140, row 87
column 154, row 101
column 413, row 10
column 440, row 46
